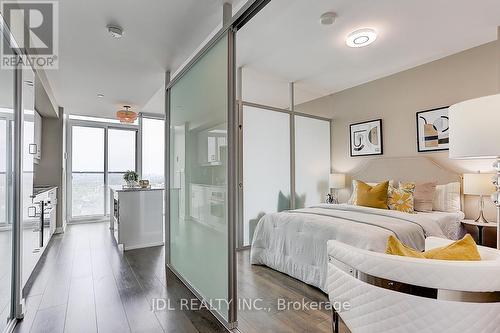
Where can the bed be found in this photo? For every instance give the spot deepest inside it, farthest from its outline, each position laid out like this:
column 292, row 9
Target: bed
column 294, row 242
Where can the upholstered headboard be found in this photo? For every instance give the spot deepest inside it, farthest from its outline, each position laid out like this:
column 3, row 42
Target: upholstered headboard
column 419, row 169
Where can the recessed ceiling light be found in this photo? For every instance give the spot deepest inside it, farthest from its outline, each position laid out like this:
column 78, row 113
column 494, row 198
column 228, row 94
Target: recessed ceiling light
column 327, row 18
column 115, row 31
column 361, row 37
column 100, row 95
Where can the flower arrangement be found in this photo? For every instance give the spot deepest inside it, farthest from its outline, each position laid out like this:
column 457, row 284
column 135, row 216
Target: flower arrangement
column 131, row 177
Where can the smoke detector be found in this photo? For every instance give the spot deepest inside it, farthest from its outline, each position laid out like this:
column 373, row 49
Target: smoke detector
column 115, row 31
column 327, row 18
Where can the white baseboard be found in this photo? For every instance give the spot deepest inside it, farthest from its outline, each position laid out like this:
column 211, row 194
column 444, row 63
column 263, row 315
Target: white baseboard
column 140, row 246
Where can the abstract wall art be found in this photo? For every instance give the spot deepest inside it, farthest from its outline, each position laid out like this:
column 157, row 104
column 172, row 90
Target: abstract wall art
column 433, row 130
column 366, row 138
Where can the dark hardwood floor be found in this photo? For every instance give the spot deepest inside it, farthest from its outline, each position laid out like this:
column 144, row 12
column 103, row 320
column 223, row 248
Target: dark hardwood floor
column 273, row 289
column 85, row 284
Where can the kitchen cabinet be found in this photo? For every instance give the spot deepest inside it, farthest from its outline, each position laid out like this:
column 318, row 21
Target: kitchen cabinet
column 137, row 217
column 208, row 205
column 37, row 138
column 33, row 139
column 199, row 207
column 211, row 144
column 38, row 227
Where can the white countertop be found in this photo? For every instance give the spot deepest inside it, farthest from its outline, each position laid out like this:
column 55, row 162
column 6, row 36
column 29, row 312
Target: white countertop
column 138, row 189
column 208, row 185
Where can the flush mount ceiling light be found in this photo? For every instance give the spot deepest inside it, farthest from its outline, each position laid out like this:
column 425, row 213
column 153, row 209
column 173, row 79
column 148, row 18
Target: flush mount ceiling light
column 327, row 18
column 126, row 116
column 100, row 95
column 361, row 37
column 115, row 31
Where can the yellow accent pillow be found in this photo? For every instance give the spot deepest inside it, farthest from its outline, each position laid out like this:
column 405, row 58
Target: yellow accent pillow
column 372, row 196
column 401, row 199
column 464, row 249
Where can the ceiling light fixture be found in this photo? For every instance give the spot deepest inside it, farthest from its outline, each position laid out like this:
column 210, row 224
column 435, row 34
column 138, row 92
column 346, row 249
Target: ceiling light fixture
column 327, row 18
column 115, row 31
column 100, row 95
column 361, row 37
column 126, row 116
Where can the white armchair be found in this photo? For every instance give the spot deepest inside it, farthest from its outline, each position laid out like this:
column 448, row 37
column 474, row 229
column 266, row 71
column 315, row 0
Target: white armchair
column 387, row 293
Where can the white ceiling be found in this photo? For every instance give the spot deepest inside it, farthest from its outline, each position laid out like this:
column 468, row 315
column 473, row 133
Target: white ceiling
column 158, row 35
column 283, row 43
column 286, row 42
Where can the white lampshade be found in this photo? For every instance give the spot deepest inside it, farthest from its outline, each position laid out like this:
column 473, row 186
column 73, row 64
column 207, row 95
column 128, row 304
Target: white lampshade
column 474, row 131
column 337, row 180
column 478, row 184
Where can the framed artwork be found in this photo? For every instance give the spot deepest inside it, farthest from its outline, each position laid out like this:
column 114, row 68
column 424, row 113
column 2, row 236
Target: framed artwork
column 366, row 138
column 433, row 130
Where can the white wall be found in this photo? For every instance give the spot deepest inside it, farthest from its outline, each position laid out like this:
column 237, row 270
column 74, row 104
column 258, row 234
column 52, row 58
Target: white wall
column 396, row 99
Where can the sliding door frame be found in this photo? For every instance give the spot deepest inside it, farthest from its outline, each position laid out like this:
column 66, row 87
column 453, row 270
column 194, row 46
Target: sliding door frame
column 232, row 127
column 15, row 169
column 230, row 26
column 14, row 191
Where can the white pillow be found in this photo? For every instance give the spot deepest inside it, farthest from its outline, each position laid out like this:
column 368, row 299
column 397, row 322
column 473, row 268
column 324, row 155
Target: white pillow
column 352, row 199
column 447, row 198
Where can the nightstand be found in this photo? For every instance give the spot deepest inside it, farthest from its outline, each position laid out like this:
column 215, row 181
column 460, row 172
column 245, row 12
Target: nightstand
column 480, row 227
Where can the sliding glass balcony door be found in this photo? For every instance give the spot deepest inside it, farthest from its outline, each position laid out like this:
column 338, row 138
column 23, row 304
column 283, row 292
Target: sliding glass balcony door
column 100, row 155
column 87, row 171
column 153, row 151
column 121, row 157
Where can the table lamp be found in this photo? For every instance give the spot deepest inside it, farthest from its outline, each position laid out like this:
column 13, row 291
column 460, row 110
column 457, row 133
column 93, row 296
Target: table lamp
column 474, row 133
column 337, row 181
column 479, row 184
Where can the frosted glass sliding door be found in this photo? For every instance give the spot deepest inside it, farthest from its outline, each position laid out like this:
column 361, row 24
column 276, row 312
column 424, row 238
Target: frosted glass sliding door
column 6, row 193
column 312, row 160
column 4, row 189
column 198, row 177
column 266, row 166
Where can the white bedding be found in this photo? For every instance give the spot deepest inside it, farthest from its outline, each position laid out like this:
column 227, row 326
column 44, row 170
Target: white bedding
column 294, row 242
column 450, row 223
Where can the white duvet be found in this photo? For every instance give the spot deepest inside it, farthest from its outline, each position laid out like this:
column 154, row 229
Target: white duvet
column 294, row 242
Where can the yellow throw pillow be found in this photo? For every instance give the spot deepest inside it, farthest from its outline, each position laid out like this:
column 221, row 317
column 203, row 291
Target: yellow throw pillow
column 372, row 196
column 464, row 249
column 395, row 247
column 401, row 199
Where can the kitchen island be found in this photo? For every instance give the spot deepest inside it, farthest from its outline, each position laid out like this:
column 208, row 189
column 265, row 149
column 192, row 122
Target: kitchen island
column 137, row 217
